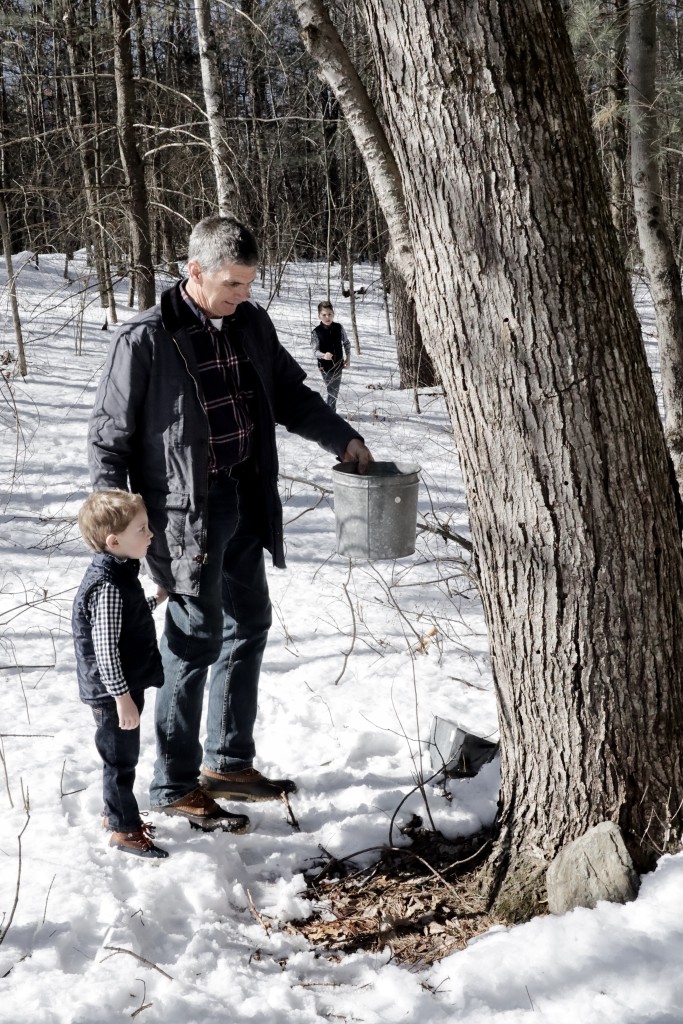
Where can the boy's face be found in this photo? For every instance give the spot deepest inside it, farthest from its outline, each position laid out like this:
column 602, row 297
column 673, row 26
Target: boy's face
column 133, row 541
column 327, row 316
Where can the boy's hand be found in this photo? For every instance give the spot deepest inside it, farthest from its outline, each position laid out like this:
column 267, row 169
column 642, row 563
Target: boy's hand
column 161, row 595
column 129, row 716
column 347, row 364
column 326, row 355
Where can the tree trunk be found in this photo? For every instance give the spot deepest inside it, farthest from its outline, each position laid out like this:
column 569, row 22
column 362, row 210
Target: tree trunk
column 97, row 160
column 6, row 233
column 12, row 286
column 130, row 156
column 86, row 157
column 414, row 362
column 526, row 307
column 262, row 160
column 324, row 43
column 213, row 101
column 352, row 288
column 618, row 144
column 653, row 231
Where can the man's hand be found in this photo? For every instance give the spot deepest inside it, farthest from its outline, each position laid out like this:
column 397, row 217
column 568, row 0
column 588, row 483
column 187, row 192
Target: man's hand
column 357, row 452
column 161, row 595
column 129, row 716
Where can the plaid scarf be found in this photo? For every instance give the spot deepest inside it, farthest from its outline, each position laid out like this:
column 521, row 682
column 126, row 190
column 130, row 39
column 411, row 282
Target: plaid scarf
column 227, row 384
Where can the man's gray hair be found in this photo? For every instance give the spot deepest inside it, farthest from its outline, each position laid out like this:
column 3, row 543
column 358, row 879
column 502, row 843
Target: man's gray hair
column 217, row 239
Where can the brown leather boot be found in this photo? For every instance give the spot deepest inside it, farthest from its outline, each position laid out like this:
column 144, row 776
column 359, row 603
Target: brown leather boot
column 203, row 812
column 247, row 784
column 138, row 842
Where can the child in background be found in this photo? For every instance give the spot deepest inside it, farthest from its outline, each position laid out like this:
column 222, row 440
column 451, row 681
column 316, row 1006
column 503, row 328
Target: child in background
column 117, row 656
column 332, row 349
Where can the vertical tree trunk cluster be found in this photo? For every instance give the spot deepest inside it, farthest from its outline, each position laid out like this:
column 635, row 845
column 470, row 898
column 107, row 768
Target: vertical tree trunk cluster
column 323, row 42
column 88, row 161
column 131, row 159
column 128, row 112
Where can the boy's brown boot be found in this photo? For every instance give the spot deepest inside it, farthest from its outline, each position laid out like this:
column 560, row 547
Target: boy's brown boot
column 138, row 842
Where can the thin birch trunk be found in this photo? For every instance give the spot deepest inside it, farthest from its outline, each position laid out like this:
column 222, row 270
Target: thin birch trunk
column 221, row 157
column 618, row 144
column 12, row 284
column 653, row 230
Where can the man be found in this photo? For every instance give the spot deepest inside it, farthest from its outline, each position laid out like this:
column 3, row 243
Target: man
column 185, row 415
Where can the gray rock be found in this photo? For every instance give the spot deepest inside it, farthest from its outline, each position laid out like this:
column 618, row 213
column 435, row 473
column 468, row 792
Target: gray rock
column 595, row 867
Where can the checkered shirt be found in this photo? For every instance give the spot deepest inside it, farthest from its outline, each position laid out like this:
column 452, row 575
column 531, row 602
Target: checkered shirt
column 228, row 387
column 105, row 610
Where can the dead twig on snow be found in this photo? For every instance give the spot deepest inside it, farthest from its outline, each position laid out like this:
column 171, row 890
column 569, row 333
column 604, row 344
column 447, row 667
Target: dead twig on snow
column 136, row 956
column 291, row 818
column 4, row 931
column 265, row 924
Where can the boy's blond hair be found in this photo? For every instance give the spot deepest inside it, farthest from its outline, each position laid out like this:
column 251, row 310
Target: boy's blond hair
column 106, row 512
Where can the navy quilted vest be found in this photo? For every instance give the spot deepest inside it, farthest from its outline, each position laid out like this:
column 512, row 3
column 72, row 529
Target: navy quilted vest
column 138, row 649
column 330, row 340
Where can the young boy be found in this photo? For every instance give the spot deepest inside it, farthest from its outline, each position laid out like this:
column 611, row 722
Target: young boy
column 116, row 654
column 332, row 349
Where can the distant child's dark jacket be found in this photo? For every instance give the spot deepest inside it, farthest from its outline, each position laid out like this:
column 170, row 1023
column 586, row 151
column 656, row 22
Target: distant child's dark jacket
column 140, row 658
column 330, row 340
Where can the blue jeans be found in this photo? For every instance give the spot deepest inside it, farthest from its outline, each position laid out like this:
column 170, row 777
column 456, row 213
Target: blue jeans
column 224, row 629
column 119, row 750
column 332, row 379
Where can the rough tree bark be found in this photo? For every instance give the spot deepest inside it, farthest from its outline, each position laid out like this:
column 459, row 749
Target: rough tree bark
column 653, row 231
column 130, row 155
column 416, row 369
column 526, row 307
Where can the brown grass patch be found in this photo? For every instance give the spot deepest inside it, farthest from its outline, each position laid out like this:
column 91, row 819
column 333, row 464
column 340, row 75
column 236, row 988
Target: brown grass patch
column 423, row 901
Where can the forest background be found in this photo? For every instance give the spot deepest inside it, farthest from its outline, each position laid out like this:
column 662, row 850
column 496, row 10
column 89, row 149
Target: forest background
column 106, row 130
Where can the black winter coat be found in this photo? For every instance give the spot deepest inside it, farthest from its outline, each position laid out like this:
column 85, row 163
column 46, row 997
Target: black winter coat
column 149, row 430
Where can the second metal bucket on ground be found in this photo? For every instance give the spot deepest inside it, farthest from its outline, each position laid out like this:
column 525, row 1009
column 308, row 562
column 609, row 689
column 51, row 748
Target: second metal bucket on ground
column 376, row 513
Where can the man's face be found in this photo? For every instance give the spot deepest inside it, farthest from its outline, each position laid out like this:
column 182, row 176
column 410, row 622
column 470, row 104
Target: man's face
column 219, row 292
column 327, row 316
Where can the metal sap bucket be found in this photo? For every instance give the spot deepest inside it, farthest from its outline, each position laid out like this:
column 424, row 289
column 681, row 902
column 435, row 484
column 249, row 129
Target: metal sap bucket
column 376, row 513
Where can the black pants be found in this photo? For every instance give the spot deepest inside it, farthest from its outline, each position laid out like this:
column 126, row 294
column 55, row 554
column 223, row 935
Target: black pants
column 119, row 750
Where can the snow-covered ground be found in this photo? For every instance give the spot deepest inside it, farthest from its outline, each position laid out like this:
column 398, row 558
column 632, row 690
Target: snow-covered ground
column 346, row 725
